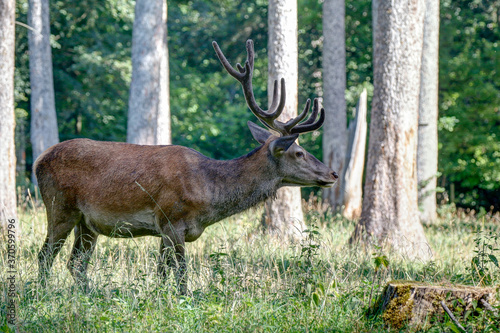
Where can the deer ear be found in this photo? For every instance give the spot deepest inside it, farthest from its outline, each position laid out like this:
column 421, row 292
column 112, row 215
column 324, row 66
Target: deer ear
column 259, row 134
column 281, row 145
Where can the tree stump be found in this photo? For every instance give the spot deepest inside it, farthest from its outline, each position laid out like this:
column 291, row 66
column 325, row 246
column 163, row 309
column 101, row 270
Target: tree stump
column 416, row 303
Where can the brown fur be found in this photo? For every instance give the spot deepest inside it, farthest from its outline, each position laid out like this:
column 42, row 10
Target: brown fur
column 125, row 190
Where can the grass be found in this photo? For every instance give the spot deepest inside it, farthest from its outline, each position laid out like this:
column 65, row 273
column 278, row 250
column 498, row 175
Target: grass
column 240, row 280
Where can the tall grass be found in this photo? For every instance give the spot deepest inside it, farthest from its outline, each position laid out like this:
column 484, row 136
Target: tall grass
column 240, row 280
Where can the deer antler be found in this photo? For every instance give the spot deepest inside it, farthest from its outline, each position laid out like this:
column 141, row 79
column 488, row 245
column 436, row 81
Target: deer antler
column 269, row 117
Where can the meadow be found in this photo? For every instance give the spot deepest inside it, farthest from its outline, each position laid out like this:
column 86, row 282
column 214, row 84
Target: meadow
column 242, row 280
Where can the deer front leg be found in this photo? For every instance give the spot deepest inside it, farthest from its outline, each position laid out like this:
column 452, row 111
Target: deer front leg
column 172, row 254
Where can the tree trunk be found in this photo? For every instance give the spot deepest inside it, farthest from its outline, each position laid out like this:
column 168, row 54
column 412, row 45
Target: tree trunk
column 390, row 206
column 149, row 107
column 427, row 151
column 353, row 179
column 7, row 117
column 334, row 86
column 374, row 23
column 44, row 132
column 163, row 131
column 284, row 216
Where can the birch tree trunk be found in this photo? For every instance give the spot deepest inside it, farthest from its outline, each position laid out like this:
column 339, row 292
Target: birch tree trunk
column 163, row 130
column 334, row 86
column 149, row 107
column 44, row 132
column 427, row 151
column 283, row 215
column 374, row 23
column 7, row 117
column 353, row 179
column 390, row 207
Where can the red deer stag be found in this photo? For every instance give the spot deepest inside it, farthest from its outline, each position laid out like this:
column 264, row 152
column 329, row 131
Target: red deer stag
column 126, row 190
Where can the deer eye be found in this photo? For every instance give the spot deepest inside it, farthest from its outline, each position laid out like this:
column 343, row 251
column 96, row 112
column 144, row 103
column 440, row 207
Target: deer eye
column 299, row 154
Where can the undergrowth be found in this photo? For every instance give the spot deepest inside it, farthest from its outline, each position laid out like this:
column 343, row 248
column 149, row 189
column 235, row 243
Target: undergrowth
column 241, row 280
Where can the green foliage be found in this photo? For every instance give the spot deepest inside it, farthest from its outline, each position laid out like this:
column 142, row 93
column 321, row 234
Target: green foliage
column 309, row 267
column 485, row 258
column 380, row 261
column 218, row 272
column 469, row 125
column 209, row 112
column 91, row 67
column 473, row 317
column 91, row 47
column 92, row 70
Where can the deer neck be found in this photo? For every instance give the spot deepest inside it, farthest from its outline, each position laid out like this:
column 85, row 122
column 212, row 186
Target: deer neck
column 243, row 182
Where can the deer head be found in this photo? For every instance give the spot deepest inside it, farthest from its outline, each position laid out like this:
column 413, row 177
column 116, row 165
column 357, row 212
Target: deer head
column 294, row 163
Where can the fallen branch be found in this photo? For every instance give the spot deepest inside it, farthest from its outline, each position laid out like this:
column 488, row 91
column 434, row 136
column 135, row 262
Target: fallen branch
column 452, row 317
column 488, row 307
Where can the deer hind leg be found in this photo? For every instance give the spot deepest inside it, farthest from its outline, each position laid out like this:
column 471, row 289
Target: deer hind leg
column 60, row 224
column 172, row 256
column 85, row 240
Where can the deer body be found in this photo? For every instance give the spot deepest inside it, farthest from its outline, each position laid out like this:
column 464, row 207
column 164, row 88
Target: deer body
column 127, row 190
column 173, row 192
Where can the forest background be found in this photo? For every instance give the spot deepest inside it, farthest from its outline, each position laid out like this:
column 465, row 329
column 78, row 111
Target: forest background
column 91, row 46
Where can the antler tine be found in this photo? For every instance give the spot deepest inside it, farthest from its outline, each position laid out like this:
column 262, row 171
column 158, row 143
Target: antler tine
column 294, row 121
column 238, row 76
column 250, row 59
column 244, row 76
column 310, row 125
column 314, row 114
column 250, row 53
column 240, row 68
column 276, row 108
column 269, row 119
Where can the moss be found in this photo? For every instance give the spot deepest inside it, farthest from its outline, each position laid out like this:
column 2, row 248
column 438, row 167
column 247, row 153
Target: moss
column 399, row 309
column 400, row 297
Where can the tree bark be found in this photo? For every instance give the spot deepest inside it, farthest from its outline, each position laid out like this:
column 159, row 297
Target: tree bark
column 334, row 86
column 427, row 151
column 149, row 107
column 374, row 23
column 283, row 215
column 44, row 132
column 163, row 129
column 390, row 206
column 353, row 179
column 7, row 117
